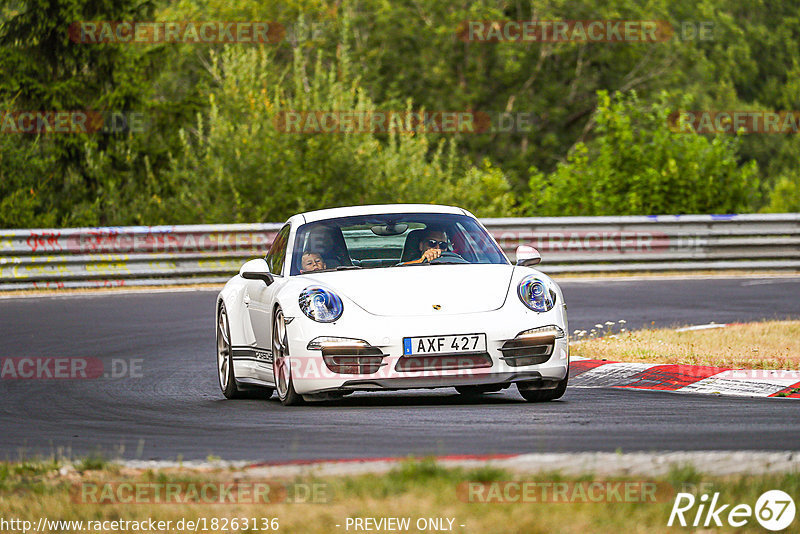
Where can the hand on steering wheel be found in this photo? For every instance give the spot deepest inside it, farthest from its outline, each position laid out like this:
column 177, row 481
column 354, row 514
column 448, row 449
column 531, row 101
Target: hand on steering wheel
column 431, row 254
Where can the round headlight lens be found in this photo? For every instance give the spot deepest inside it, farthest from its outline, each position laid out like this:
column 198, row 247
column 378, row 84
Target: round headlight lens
column 320, row 304
column 535, row 294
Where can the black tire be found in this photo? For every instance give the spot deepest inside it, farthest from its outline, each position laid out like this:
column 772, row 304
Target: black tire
column 226, row 374
column 281, row 363
column 543, row 395
column 475, row 391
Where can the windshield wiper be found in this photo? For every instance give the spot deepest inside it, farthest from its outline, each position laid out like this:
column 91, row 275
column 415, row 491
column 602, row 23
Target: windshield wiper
column 348, row 267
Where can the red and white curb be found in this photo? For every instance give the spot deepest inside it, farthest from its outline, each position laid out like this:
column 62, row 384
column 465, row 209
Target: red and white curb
column 684, row 378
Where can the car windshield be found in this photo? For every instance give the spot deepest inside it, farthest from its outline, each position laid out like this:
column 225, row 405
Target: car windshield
column 392, row 240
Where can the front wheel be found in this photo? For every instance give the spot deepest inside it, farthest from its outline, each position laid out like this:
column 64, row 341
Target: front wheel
column 225, row 371
column 282, row 363
column 543, row 395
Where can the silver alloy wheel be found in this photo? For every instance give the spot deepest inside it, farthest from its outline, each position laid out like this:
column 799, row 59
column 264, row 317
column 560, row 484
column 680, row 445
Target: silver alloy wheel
column 223, row 349
column 282, row 370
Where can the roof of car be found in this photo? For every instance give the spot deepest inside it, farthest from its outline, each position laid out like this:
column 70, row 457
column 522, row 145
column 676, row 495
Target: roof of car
column 376, row 209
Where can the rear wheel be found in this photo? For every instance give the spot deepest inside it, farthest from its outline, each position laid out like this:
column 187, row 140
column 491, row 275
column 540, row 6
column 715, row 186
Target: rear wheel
column 282, row 364
column 543, row 395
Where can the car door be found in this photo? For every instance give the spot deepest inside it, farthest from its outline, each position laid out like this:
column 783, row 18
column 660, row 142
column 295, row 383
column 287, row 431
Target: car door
column 259, row 299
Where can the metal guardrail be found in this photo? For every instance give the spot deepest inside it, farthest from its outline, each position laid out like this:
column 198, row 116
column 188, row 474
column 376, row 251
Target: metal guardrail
column 656, row 243
column 159, row 255
column 128, row 256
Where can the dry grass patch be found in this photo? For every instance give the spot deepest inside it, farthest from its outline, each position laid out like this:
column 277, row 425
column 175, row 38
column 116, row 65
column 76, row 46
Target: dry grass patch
column 765, row 345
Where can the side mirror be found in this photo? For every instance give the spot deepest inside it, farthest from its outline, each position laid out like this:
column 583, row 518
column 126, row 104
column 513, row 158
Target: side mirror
column 257, row 270
column 527, row 256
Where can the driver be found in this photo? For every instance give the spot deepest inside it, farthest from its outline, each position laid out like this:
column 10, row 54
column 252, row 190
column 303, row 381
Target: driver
column 432, row 244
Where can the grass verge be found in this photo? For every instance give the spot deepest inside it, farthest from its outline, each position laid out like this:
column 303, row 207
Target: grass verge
column 417, row 490
column 762, row 345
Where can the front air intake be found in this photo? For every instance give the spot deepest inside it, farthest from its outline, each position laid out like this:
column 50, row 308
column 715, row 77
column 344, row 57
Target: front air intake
column 353, row 360
column 528, row 349
column 431, row 362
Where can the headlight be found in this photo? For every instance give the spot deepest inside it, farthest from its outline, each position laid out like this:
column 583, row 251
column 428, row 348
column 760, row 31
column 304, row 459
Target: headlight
column 549, row 330
column 323, row 342
column 320, row 304
column 536, row 294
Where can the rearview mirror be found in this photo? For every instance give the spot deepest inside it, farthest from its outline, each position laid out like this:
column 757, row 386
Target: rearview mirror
column 527, row 256
column 257, row 270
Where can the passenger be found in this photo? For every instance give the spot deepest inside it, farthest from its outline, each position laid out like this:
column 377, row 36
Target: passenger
column 311, row 261
column 329, row 243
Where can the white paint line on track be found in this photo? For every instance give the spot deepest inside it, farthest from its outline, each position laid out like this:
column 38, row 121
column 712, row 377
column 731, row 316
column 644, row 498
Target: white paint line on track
column 708, row 326
column 767, row 281
column 655, row 464
column 598, row 463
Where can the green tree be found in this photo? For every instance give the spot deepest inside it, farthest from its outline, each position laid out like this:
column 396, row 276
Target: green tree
column 45, row 71
column 238, row 165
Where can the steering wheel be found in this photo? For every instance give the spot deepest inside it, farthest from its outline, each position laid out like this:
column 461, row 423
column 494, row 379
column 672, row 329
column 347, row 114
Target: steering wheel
column 449, row 257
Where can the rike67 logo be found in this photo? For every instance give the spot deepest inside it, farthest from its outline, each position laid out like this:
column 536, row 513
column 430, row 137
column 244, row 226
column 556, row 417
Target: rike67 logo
column 774, row 510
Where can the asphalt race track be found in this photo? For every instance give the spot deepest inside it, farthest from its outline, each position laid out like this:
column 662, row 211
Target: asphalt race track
column 174, row 408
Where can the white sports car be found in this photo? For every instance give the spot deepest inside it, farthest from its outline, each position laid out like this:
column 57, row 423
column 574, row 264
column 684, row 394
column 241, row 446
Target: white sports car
column 390, row 297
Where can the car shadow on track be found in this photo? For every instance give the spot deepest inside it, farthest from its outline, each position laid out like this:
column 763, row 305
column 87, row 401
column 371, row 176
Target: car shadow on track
column 391, row 399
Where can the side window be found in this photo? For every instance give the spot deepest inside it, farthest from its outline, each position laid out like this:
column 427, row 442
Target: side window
column 277, row 252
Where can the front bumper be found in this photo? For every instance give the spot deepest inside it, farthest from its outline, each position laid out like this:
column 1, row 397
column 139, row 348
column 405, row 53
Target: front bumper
column 311, row 375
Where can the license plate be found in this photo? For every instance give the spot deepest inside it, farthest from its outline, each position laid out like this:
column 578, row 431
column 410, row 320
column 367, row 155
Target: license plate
column 444, row 344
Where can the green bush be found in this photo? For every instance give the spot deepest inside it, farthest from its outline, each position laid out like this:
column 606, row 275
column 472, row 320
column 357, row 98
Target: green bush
column 785, row 196
column 637, row 165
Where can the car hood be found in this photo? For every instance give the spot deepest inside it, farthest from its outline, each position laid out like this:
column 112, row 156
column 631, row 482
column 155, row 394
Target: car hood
column 416, row 290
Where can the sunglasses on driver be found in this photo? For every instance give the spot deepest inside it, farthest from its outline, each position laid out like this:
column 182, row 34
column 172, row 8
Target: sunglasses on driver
column 433, row 243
